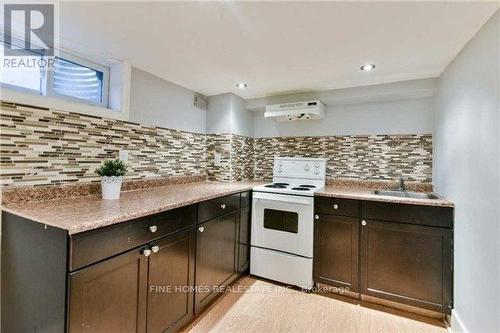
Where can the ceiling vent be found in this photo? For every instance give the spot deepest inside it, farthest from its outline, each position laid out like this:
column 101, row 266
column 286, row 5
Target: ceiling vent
column 296, row 111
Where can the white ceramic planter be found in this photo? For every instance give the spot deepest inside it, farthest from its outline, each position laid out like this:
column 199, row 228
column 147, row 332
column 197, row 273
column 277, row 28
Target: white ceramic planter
column 111, row 187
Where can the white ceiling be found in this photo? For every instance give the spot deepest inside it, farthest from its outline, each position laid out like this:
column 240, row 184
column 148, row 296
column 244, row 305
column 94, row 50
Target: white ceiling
column 275, row 47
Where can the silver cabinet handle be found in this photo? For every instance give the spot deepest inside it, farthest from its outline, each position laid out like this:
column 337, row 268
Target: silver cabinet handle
column 146, row 252
column 363, row 222
column 153, row 228
column 201, row 229
column 223, row 206
column 155, row 249
column 316, row 217
column 335, row 206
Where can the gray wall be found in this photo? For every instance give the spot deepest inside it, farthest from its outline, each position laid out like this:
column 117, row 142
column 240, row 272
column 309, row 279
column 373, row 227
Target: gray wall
column 466, row 170
column 158, row 102
column 410, row 116
column 227, row 114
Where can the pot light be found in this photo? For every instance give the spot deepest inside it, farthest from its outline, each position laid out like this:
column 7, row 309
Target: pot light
column 368, row 67
column 241, row 85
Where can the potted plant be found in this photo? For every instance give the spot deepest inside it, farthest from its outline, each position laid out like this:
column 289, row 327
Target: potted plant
column 111, row 172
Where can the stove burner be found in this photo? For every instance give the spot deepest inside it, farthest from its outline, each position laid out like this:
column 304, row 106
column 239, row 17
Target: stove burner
column 300, row 189
column 307, row 186
column 275, row 186
column 281, row 184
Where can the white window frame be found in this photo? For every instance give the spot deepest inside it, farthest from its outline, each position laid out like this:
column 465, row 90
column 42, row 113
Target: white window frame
column 49, row 78
column 48, row 75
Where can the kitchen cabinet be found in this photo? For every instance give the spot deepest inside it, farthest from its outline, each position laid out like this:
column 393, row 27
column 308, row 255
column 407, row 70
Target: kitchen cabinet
column 134, row 276
column 118, row 294
column 170, row 282
column 336, row 251
column 216, row 257
column 409, row 264
column 393, row 252
column 110, row 296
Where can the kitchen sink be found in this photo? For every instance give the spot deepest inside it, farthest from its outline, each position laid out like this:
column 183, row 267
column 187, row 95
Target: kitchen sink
column 406, row 194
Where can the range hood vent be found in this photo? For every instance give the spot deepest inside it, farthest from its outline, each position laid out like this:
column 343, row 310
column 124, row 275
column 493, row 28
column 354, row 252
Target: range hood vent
column 296, row 111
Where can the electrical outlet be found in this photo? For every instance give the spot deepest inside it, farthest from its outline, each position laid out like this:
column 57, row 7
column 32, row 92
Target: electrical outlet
column 123, row 156
column 217, row 158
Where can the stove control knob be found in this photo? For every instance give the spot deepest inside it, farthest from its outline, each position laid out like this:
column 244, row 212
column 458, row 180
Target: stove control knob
column 280, row 170
column 316, row 217
column 316, row 172
column 306, row 167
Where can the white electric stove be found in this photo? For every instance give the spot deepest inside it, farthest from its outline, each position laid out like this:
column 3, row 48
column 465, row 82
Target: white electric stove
column 283, row 223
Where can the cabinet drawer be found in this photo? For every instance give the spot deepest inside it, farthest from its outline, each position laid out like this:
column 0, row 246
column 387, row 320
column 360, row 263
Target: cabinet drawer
column 336, row 206
column 410, row 214
column 95, row 245
column 211, row 209
column 246, row 198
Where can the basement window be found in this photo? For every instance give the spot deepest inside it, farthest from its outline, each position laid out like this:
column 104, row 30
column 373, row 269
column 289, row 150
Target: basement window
column 70, row 78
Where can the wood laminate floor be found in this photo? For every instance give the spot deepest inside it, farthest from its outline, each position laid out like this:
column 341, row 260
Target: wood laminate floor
column 262, row 307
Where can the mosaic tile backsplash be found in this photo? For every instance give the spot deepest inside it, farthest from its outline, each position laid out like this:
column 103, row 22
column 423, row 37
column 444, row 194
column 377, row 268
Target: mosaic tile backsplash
column 47, row 147
column 42, row 147
column 237, row 158
column 373, row 157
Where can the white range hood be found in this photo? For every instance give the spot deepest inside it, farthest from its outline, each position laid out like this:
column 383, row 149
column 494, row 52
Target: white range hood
column 296, row 111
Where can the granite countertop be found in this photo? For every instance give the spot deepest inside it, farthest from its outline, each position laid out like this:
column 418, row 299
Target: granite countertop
column 91, row 212
column 366, row 193
column 88, row 212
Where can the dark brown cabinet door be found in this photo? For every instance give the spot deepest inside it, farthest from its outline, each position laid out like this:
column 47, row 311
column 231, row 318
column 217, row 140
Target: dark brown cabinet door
column 110, row 296
column 336, row 251
column 216, row 249
column 407, row 263
column 244, row 240
column 170, row 282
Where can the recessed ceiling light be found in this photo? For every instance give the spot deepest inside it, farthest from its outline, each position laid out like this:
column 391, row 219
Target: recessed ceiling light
column 368, row 67
column 242, row 85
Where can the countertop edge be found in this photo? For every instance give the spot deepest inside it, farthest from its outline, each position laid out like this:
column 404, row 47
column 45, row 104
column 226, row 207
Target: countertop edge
column 380, row 198
column 127, row 217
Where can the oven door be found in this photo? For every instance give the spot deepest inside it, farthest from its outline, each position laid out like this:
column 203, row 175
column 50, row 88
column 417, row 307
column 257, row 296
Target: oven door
column 283, row 222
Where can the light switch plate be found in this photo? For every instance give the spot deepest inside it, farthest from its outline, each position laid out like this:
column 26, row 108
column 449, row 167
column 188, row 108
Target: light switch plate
column 123, row 156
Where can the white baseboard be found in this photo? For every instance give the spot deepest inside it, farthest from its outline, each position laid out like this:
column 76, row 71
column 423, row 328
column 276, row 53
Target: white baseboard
column 457, row 325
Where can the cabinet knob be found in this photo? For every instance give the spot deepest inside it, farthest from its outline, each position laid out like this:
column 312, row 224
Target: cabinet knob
column 153, row 228
column 316, row 217
column 335, row 206
column 223, row 206
column 363, row 222
column 201, row 229
column 146, row 252
column 155, row 248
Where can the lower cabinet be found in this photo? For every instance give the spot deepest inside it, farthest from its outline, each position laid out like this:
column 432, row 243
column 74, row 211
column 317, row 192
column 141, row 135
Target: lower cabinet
column 170, row 283
column 110, row 296
column 386, row 251
column 336, row 251
column 216, row 257
column 118, row 294
column 407, row 263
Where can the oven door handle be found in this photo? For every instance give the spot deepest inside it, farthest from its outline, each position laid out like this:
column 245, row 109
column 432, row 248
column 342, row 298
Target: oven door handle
column 290, row 199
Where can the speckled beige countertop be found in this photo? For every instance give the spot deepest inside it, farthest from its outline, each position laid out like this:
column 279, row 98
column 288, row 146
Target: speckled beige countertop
column 366, row 193
column 91, row 212
column 87, row 212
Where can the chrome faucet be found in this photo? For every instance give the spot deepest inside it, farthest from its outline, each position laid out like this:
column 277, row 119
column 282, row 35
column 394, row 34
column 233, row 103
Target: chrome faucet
column 402, row 186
